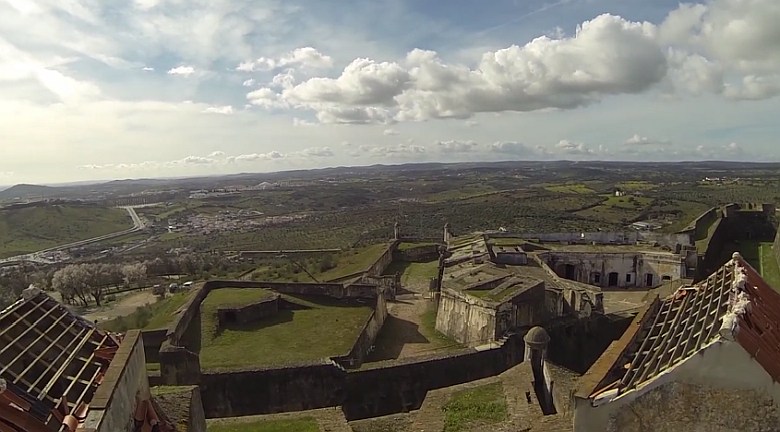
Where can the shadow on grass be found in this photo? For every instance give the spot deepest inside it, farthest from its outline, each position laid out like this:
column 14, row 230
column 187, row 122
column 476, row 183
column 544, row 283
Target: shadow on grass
column 395, row 334
column 283, row 316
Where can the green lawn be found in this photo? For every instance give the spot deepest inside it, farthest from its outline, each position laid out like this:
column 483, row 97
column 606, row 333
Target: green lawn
column 306, row 424
column 478, row 406
column 30, row 229
column 352, row 261
column 321, row 328
column 150, row 317
column 770, row 271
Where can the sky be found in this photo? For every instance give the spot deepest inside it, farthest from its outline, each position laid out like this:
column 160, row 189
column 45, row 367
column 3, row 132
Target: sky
column 92, row 90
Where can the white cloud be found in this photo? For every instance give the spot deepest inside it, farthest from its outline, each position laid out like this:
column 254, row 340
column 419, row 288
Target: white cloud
column 754, row 87
column 573, row 148
column 306, row 57
column 216, row 154
column 318, row 152
column 639, row 140
column 147, row 69
column 454, row 146
column 226, row 110
column 390, row 132
column 196, row 160
column 607, row 55
column 512, row 147
column 397, row 151
column 303, row 123
column 182, row 70
column 265, row 98
column 248, row 83
column 251, row 157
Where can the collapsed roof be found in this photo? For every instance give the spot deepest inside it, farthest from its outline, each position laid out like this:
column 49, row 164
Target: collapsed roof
column 733, row 304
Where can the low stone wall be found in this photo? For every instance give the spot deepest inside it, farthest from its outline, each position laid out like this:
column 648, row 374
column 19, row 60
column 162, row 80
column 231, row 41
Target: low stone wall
column 248, row 313
column 124, row 385
column 376, row 390
column 362, row 346
column 384, row 260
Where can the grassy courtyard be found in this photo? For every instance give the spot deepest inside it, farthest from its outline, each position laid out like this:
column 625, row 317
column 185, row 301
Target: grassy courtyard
column 478, row 406
column 320, row 328
column 306, row 424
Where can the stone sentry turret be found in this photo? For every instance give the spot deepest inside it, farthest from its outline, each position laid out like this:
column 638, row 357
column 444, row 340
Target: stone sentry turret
column 536, row 341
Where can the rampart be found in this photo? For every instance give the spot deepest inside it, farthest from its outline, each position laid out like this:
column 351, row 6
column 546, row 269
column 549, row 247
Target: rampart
column 178, row 352
column 371, row 391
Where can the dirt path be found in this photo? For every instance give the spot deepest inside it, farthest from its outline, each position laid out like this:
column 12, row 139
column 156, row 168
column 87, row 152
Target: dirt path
column 124, row 306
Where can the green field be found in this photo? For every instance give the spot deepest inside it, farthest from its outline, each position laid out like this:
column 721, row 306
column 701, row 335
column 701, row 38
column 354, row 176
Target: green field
column 636, row 185
column 30, row 229
column 628, row 202
column 150, row 317
column 570, row 188
column 306, row 424
column 478, row 406
column 321, row 328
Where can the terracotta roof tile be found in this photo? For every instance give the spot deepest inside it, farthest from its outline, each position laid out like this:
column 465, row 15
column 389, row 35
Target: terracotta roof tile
column 693, row 317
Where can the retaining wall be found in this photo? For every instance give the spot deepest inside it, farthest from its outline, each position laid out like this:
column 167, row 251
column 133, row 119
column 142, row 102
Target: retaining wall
column 178, row 353
column 248, row 313
column 368, row 392
column 384, row 260
column 362, row 346
column 421, row 253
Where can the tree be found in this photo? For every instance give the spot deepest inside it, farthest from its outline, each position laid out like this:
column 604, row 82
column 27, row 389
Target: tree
column 133, row 274
column 83, row 280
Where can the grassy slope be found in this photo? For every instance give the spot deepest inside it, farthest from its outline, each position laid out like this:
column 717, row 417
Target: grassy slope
column 325, row 328
column 481, row 405
column 34, row 228
column 155, row 316
column 353, row 261
column 306, row 424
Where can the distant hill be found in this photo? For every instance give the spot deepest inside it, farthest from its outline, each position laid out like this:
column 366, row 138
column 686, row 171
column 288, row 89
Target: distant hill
column 29, row 191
